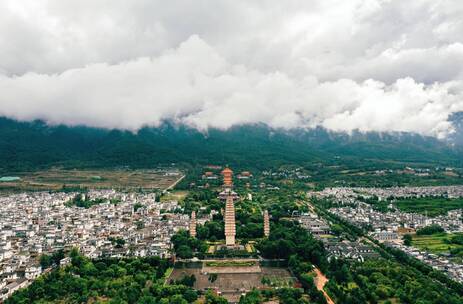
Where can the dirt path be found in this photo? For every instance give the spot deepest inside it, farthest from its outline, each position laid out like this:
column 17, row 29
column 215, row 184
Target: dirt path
column 174, row 184
column 320, row 281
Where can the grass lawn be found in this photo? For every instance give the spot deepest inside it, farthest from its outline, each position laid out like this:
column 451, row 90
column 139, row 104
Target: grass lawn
column 432, row 205
column 434, row 243
column 278, row 281
column 391, row 300
column 167, row 274
column 326, row 236
column 250, row 248
column 176, row 195
column 352, row 285
column 230, row 264
column 211, row 249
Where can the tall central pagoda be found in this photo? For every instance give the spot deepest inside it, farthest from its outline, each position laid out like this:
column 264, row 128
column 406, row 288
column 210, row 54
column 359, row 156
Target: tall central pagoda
column 230, row 226
column 229, row 214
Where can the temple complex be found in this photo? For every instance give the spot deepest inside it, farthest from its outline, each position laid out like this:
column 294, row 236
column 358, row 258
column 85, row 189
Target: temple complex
column 236, row 264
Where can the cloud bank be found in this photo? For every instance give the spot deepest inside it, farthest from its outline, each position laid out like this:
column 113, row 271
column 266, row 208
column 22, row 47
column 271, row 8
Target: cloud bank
column 371, row 65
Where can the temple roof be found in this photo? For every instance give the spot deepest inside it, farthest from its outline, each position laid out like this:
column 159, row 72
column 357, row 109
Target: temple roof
column 227, row 170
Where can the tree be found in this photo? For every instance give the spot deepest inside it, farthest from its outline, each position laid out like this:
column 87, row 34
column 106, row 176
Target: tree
column 212, row 277
column 252, row 297
column 177, row 299
column 57, row 256
column 211, row 298
column 129, row 280
column 306, row 281
column 190, row 295
column 45, row 261
column 187, row 280
column 407, row 240
column 185, row 252
column 119, row 243
column 431, row 229
column 140, row 225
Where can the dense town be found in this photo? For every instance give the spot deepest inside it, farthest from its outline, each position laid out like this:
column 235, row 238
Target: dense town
column 110, row 223
column 390, row 227
column 124, row 224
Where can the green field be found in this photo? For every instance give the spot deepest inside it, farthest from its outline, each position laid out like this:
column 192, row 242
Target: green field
column 436, row 243
column 59, row 179
column 433, row 206
column 176, row 195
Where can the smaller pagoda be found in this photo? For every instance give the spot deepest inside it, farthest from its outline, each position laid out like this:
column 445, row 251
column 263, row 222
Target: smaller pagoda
column 193, row 224
column 266, row 224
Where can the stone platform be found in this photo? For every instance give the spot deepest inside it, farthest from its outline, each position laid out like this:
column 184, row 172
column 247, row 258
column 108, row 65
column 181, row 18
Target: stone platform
column 233, row 285
column 231, row 269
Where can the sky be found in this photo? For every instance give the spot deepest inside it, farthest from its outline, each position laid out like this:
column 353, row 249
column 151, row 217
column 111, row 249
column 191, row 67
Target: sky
column 367, row 65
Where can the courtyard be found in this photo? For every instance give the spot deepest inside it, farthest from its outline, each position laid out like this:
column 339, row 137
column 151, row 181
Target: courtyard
column 241, row 280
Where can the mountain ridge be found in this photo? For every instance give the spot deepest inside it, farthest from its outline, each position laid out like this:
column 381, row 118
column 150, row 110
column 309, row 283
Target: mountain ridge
column 25, row 145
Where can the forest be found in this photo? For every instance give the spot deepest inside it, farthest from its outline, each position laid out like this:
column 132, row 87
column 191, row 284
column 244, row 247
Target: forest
column 32, row 145
column 130, row 280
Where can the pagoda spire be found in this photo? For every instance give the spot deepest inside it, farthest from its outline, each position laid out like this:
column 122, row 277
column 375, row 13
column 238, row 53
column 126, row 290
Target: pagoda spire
column 193, row 224
column 227, row 174
column 230, row 226
column 266, row 224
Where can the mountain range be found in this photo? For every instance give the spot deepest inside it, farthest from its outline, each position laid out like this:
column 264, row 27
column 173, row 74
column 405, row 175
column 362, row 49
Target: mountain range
column 31, row 145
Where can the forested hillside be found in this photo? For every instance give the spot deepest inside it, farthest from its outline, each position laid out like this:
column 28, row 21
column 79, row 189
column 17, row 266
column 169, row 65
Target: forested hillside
column 31, row 145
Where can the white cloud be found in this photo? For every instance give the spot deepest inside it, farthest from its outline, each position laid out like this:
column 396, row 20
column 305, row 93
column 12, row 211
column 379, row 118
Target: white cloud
column 381, row 65
column 194, row 85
